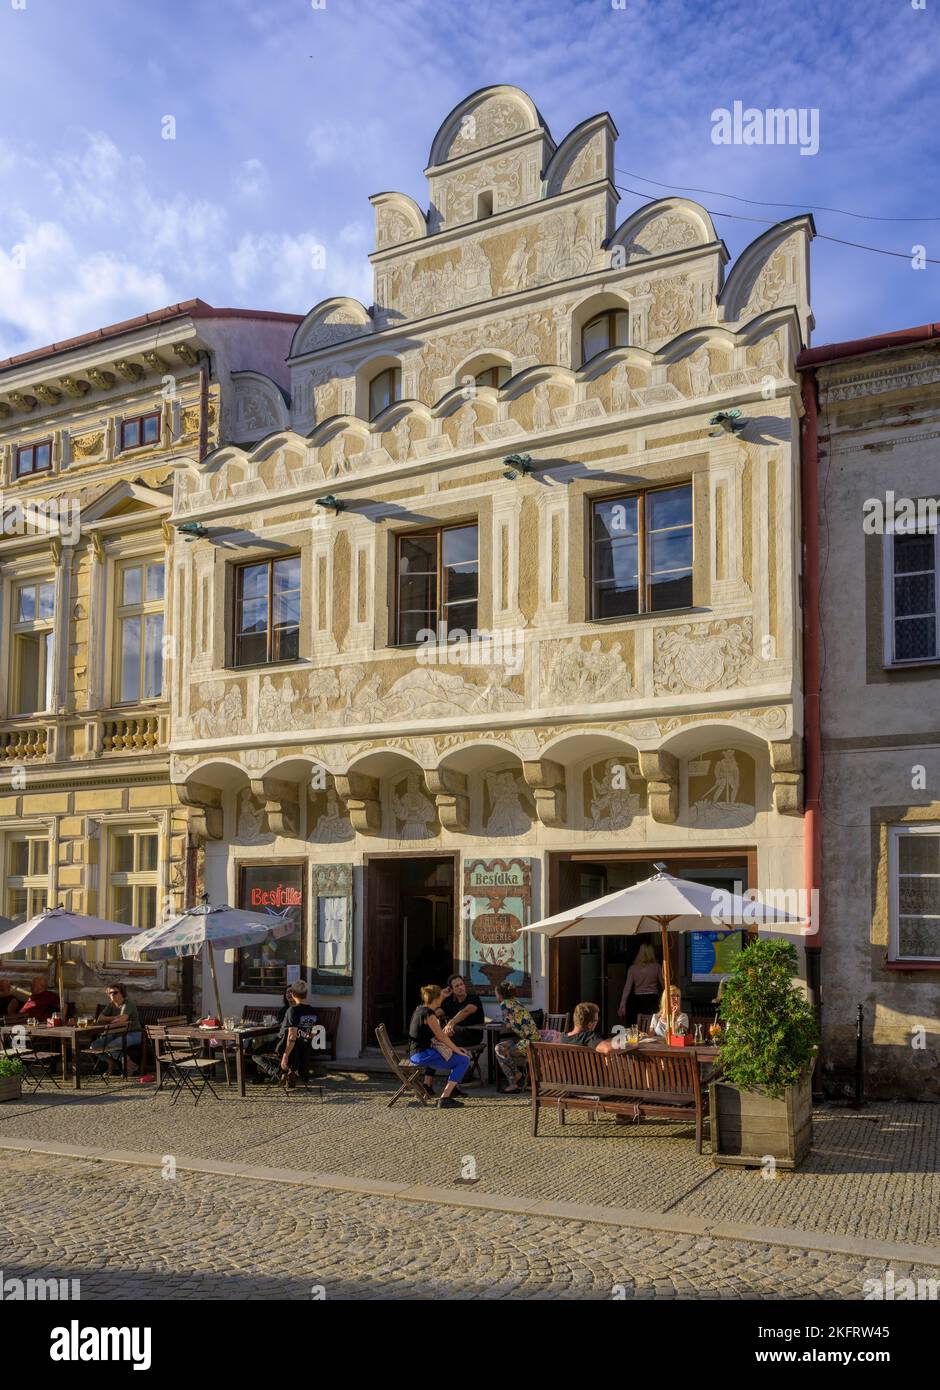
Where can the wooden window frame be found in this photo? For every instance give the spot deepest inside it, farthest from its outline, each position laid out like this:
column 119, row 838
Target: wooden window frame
column 145, row 608
column 139, row 420
column 493, row 372
column 895, row 959
column 643, row 608
column 394, row 393
column 31, row 448
column 270, row 660
column 610, row 315
column 439, row 532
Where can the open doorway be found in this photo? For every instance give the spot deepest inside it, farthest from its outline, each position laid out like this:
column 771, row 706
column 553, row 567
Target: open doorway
column 409, row 938
column 594, row 968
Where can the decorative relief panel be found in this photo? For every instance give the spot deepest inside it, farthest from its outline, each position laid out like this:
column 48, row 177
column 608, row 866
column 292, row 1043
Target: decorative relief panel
column 572, row 674
column 493, row 120
column 328, row 823
column 614, row 792
column 414, row 811
column 722, row 789
column 508, row 807
column 703, row 656
column 670, row 231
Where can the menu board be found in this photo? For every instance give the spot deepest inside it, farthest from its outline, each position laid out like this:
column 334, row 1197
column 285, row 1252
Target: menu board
column 713, row 953
column 276, row 888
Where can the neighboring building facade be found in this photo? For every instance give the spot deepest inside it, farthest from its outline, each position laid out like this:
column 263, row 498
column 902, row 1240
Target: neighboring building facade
column 513, row 441
column 90, row 431
column 879, row 489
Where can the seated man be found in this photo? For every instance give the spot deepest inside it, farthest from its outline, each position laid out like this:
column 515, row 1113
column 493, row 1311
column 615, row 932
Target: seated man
column 463, row 1013
column 42, row 1003
column 585, row 1032
column 9, row 1002
column 119, row 1006
column 294, row 1039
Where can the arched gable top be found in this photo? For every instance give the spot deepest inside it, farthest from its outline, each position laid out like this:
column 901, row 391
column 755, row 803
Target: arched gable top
column 330, row 322
column 487, row 117
column 662, row 227
column 338, row 425
column 548, row 373
column 788, row 283
column 584, row 156
column 398, row 219
column 260, row 405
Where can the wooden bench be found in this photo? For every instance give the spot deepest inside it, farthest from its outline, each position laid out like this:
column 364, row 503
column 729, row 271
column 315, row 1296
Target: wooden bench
column 619, row 1083
column 327, row 1016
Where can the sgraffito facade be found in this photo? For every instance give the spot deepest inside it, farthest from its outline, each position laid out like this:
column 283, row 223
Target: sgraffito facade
column 515, row 443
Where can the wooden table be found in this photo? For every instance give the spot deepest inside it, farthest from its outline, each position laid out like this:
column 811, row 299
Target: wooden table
column 242, row 1036
column 70, row 1035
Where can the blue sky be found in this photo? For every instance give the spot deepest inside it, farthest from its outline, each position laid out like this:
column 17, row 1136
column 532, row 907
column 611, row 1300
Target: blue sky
column 288, row 117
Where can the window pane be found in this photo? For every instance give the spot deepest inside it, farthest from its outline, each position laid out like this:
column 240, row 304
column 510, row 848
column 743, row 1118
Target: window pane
column 919, row 854
column 153, row 656
column 16, row 908
column 287, row 609
column 670, row 591
column 251, row 650
column 42, row 456
column 31, row 693
column 48, row 640
column 130, row 659
column 670, row 550
column 146, row 852
column 131, row 585
column 254, row 581
column 26, row 605
column 253, row 616
column 286, row 644
column 146, row 908
column 460, row 545
column 24, row 461
column 671, row 507
column 130, row 434
column 122, row 903
column 460, row 617
column 124, row 855
column 915, row 639
column 151, row 429
column 913, row 553
column 287, row 574
column 620, row 329
column 595, row 338
column 915, row 594
column 919, row 936
column 155, row 582
column 919, row 894
column 418, row 555
column 616, row 518
column 47, row 601
column 19, row 858
column 40, row 856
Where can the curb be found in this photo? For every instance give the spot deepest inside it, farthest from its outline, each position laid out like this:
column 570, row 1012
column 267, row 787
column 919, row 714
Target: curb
column 887, row 1251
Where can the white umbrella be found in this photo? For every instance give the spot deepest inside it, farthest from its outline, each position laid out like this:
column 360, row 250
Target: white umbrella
column 672, row 904
column 54, row 926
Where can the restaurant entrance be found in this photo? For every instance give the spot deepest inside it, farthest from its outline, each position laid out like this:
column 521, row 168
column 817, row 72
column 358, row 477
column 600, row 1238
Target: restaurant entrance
column 409, row 936
column 594, row 968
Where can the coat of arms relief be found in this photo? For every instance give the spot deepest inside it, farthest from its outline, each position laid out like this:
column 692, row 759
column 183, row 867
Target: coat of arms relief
column 703, row 656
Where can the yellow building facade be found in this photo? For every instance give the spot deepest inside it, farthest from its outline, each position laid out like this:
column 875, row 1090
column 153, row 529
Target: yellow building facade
column 488, row 612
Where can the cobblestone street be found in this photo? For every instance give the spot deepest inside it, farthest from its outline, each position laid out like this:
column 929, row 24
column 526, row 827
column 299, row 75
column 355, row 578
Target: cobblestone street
column 630, row 1206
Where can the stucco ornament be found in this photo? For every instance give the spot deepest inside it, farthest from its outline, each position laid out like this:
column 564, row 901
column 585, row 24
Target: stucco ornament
column 613, row 802
column 415, row 813
column 668, row 232
column 509, row 801
column 703, row 656
column 673, row 308
column 572, row 675
column 715, row 785
column 221, row 711
column 490, row 122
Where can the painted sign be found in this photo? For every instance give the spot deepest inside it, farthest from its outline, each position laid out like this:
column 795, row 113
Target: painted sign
column 713, row 953
column 263, row 969
column 497, row 903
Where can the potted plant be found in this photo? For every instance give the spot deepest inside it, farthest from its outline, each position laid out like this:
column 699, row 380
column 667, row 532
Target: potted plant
column 762, row 1105
column 11, row 1078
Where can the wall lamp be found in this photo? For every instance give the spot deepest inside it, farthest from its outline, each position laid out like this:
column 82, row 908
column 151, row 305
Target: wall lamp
column 192, row 530
column 518, row 466
column 728, row 422
column 333, row 503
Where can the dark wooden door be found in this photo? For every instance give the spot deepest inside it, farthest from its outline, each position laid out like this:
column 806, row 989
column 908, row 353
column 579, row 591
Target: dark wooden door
column 383, row 950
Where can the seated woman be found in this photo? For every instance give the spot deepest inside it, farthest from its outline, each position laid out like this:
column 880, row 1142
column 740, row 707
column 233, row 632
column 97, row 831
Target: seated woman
column 511, row 1052
column 584, row 1033
column 679, row 1021
column 119, row 1006
column 432, row 1049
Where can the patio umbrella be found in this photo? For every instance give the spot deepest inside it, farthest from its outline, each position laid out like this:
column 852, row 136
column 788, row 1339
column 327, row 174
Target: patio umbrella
column 672, row 904
column 223, row 926
column 53, row 927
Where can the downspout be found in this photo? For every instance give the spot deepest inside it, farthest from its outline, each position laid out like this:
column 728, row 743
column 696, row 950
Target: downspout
column 812, row 732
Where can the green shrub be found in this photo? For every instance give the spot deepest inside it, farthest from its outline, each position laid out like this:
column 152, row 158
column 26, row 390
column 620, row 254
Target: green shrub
column 11, row 1066
column 769, row 1027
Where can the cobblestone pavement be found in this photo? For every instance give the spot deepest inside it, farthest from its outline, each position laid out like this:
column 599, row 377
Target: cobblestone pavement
column 208, row 1237
column 872, row 1174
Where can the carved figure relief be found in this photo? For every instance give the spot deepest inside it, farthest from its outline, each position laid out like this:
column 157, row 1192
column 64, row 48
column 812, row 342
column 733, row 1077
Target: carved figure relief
column 507, row 804
column 250, row 818
column 571, row 675
column 700, row 372
column 673, row 307
column 466, row 426
column 541, row 408
column 402, row 434
column 493, row 120
column 615, row 793
column 721, row 789
column 415, row 813
column 668, row 232
column 332, row 824
column 221, row 711
column 336, row 326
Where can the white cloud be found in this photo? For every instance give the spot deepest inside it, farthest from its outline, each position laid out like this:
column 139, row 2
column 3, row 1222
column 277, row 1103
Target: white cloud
column 252, row 179
column 284, row 271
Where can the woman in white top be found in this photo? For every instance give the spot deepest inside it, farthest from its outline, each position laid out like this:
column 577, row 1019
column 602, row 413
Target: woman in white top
column 644, row 980
column 680, row 1021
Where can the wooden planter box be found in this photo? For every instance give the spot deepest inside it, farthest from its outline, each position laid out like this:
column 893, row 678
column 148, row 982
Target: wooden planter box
column 11, row 1087
column 747, row 1127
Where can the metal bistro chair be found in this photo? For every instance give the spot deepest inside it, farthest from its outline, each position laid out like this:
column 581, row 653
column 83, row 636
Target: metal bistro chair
column 186, row 1066
column 101, row 1057
column 37, row 1063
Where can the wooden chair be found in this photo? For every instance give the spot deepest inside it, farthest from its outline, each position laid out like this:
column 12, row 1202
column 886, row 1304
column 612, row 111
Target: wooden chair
column 559, row 1022
column 405, row 1072
column 327, row 1016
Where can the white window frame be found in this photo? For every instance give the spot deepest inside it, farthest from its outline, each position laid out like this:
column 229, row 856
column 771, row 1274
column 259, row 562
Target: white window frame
column 894, row 835
column 129, row 878
column 31, row 883
column 38, row 625
column 121, row 612
column 888, row 595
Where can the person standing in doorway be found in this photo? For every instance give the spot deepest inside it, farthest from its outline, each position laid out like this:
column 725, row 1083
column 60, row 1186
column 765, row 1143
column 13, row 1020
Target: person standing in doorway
column 642, row 987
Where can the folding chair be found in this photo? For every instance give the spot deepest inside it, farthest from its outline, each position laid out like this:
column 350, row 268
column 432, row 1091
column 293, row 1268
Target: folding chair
column 101, row 1057
column 186, row 1066
column 405, row 1072
column 37, row 1064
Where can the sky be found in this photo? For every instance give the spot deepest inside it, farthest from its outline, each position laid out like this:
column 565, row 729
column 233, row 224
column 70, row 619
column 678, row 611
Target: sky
column 285, row 115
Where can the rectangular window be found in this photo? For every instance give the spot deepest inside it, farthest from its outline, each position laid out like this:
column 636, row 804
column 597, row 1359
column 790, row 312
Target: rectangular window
column 914, row 862
column 279, row 889
column 139, row 618
column 438, row 583
column 138, row 431
column 641, row 553
column 33, row 458
column 27, row 884
column 913, row 627
column 132, row 881
column 267, row 612
column 33, row 615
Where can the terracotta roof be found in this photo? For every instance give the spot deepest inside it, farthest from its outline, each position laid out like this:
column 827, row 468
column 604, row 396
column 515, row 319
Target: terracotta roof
column 188, row 308
column 879, row 342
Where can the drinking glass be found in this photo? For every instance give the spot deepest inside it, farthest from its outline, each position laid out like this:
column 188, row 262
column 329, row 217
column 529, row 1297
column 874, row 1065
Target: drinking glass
column 229, row 1024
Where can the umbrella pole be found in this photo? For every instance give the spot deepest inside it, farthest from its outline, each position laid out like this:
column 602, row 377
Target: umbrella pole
column 60, row 971
column 218, row 1005
column 664, row 928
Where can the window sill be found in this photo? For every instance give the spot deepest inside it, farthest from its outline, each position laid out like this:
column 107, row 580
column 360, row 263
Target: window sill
column 912, row 965
column 270, row 666
column 656, row 615
column 930, row 662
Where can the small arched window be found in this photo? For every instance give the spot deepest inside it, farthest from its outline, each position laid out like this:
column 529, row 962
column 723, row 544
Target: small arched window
column 604, row 331
column 384, row 389
column 492, row 376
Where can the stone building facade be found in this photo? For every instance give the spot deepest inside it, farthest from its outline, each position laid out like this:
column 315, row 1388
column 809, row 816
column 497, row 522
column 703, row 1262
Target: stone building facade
column 515, row 442
column 90, row 433
column 879, row 490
